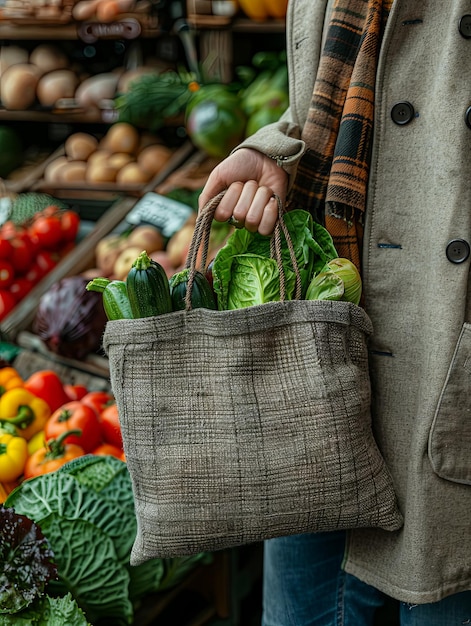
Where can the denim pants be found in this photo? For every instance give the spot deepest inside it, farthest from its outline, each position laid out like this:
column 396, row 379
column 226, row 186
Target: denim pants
column 304, row 585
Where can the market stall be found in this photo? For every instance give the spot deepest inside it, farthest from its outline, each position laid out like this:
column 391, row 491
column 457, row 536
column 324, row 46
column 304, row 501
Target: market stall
column 112, row 116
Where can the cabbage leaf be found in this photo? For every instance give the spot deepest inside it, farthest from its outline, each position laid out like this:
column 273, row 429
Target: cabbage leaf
column 48, row 611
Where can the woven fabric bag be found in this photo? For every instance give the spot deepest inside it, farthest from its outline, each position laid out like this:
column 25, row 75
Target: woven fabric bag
column 243, row 425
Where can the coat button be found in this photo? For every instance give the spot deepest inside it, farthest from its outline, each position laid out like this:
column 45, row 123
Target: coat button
column 467, row 117
column 457, row 251
column 402, row 113
column 465, row 26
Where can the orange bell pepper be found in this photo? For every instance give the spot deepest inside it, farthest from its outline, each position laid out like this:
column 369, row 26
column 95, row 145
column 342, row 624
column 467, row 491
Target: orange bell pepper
column 53, row 455
column 9, row 379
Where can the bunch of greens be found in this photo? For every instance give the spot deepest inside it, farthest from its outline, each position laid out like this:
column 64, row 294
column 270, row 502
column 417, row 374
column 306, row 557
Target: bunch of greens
column 153, row 99
column 86, row 511
column 244, row 274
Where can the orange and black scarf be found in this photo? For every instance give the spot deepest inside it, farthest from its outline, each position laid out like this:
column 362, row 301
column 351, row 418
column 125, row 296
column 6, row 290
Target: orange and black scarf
column 332, row 176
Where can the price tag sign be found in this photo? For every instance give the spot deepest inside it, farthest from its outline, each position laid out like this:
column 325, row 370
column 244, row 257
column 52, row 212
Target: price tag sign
column 164, row 213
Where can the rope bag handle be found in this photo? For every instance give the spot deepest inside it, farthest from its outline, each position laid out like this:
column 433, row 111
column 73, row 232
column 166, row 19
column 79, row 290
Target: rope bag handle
column 200, row 241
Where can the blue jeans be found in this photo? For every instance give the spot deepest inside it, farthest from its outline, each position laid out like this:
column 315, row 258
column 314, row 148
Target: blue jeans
column 304, row 585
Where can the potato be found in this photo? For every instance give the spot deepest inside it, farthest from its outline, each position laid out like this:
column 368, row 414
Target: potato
column 101, row 172
column 120, row 159
column 48, row 57
column 154, row 158
column 99, row 156
column 73, row 171
column 124, row 261
column 132, row 174
column 56, row 85
column 107, row 251
column 80, row 146
column 122, row 137
column 52, row 170
column 18, row 86
column 179, row 244
column 146, row 237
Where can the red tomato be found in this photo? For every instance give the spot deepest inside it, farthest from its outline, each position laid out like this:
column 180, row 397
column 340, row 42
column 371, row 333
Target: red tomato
column 21, row 254
column 110, row 426
column 46, row 384
column 51, row 209
column 70, row 223
column 47, row 230
column 98, row 400
column 34, row 274
column 75, row 392
column 20, row 288
column 5, row 248
column 9, row 229
column 7, row 274
column 72, row 415
column 106, row 449
column 7, row 303
column 46, row 261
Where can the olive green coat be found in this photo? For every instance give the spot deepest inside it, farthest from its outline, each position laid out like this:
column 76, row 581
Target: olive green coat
column 417, row 295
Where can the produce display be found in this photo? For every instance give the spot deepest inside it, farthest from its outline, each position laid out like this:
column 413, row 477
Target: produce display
column 123, row 156
column 217, row 116
column 67, row 520
column 30, row 248
column 45, row 76
column 45, row 422
column 70, row 531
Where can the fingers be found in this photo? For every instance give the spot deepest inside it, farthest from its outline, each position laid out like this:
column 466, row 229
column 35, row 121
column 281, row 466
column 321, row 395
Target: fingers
column 253, row 206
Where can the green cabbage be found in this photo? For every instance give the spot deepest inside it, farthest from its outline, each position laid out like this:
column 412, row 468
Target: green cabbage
column 86, row 511
column 244, row 274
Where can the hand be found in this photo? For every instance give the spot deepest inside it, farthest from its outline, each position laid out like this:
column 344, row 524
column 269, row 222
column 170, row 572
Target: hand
column 249, row 179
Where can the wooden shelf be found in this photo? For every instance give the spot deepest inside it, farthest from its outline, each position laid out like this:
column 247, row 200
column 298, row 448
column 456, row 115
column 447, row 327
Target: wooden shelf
column 74, row 31
column 66, row 117
column 236, row 25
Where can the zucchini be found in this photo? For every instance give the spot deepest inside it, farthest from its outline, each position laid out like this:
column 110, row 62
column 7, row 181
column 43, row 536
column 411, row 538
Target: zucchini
column 148, row 288
column 115, row 297
column 202, row 295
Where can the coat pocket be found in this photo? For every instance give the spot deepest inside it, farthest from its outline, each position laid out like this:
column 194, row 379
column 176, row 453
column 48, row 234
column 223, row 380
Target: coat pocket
column 450, row 436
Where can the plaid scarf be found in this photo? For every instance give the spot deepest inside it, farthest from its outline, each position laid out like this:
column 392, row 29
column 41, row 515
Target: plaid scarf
column 332, row 175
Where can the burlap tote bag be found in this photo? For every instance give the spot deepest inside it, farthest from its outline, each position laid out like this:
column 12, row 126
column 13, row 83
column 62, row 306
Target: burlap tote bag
column 244, row 425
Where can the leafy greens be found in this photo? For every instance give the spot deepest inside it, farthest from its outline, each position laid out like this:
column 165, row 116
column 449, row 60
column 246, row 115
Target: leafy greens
column 86, row 511
column 244, row 274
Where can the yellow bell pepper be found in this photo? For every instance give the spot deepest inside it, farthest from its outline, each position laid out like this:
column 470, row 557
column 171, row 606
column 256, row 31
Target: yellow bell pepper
column 23, row 409
column 9, row 379
column 36, row 442
column 13, row 457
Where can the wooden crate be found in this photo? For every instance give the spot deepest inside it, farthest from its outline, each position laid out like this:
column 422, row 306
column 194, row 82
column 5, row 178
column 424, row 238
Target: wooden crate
column 191, row 174
column 31, row 178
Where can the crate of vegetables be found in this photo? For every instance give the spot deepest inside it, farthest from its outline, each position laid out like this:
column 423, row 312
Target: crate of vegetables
column 60, row 317
column 122, row 161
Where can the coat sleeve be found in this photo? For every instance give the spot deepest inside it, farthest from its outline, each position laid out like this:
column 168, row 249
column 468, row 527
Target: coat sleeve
column 280, row 141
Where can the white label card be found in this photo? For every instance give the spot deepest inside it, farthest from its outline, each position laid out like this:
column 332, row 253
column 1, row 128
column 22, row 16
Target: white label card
column 164, row 213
